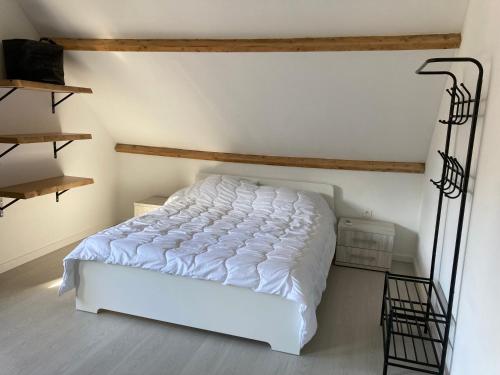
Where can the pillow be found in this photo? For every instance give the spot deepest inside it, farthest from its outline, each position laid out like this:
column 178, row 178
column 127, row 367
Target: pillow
column 211, row 187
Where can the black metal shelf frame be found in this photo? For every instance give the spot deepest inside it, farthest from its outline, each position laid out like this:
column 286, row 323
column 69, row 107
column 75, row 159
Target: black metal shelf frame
column 4, row 207
column 412, row 325
column 54, row 148
column 54, row 103
column 57, row 149
column 415, row 320
column 9, row 150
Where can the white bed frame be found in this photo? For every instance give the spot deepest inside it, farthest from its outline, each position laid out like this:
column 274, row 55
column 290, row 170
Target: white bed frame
column 196, row 303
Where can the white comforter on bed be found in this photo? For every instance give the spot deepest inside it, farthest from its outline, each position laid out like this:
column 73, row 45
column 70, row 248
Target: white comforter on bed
column 271, row 240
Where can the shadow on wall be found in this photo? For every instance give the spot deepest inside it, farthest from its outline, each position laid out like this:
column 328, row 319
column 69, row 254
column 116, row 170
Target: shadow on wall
column 30, row 164
column 28, row 161
column 27, row 112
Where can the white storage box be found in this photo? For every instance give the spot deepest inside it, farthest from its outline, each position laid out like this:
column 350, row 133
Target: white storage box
column 147, row 205
column 365, row 244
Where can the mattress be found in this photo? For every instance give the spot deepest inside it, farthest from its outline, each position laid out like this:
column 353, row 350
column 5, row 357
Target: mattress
column 271, row 240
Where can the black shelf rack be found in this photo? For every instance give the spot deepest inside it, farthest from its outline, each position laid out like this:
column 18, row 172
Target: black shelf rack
column 415, row 316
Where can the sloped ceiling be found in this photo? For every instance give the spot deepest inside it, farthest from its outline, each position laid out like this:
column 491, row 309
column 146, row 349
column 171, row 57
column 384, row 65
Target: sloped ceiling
column 357, row 105
column 243, row 18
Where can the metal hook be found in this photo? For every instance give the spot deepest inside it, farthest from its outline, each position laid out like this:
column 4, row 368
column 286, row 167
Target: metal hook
column 469, row 100
column 460, row 107
column 439, row 183
column 447, row 186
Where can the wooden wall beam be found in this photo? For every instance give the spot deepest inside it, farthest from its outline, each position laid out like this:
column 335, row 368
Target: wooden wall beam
column 354, row 165
column 363, row 43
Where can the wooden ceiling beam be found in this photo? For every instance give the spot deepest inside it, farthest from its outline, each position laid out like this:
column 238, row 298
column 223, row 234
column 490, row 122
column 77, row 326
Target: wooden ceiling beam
column 361, row 43
column 286, row 161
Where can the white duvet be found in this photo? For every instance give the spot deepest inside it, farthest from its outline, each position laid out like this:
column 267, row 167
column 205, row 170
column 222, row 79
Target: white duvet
column 229, row 230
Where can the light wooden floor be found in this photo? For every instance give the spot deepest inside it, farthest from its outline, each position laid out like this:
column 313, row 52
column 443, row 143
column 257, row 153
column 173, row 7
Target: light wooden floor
column 41, row 333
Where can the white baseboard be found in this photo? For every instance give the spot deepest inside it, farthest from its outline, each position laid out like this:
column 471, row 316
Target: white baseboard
column 25, row 258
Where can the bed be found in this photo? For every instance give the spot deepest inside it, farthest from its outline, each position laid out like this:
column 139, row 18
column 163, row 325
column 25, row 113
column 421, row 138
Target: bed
column 236, row 255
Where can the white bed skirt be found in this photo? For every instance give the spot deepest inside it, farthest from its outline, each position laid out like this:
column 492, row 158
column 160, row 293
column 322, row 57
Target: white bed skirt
column 190, row 302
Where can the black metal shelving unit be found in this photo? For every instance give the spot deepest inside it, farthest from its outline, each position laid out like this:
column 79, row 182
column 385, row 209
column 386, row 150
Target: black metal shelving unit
column 415, row 318
column 12, row 85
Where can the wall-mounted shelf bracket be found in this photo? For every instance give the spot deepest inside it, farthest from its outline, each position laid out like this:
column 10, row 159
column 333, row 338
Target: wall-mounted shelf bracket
column 20, row 139
column 58, row 185
column 2, row 207
column 18, row 84
column 8, row 93
column 57, row 149
column 55, row 104
column 59, row 193
column 8, row 150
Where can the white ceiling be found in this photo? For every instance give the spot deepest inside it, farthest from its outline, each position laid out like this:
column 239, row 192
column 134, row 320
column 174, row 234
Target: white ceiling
column 347, row 105
column 243, row 18
column 357, row 105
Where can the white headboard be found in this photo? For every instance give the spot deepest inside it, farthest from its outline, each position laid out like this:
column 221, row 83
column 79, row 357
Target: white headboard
column 326, row 190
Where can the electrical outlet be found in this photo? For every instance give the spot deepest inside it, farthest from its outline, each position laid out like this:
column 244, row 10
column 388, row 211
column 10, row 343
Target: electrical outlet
column 368, row 214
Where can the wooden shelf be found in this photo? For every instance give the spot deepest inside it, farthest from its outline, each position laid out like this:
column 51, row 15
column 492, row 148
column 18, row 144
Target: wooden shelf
column 19, row 139
column 42, row 187
column 42, row 137
column 40, row 86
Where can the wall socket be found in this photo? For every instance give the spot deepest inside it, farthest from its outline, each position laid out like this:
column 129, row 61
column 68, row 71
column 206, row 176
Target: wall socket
column 368, row 214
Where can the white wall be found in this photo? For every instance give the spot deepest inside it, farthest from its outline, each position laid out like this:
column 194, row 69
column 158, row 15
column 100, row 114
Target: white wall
column 361, row 105
column 392, row 196
column 476, row 348
column 33, row 227
column 353, row 105
column 330, row 104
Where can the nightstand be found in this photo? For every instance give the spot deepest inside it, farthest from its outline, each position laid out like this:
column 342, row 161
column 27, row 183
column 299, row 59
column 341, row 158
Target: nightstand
column 147, row 205
column 365, row 244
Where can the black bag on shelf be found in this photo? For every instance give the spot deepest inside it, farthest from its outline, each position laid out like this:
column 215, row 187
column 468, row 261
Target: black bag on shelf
column 32, row 60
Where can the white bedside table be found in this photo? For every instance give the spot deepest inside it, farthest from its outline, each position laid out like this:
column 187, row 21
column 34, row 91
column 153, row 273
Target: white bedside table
column 365, row 244
column 147, row 205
